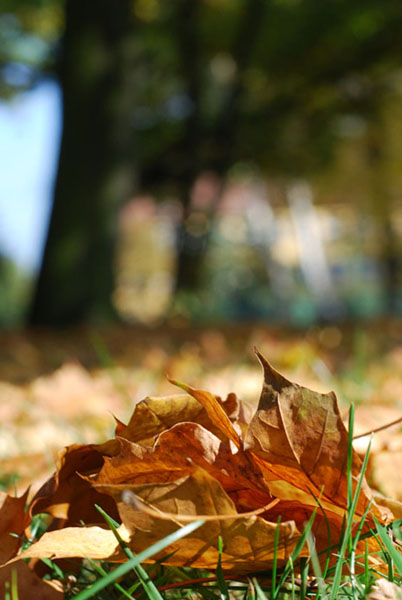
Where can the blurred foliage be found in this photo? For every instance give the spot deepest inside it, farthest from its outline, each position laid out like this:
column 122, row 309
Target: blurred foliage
column 260, row 81
column 256, row 80
column 252, row 268
column 279, row 89
column 29, row 34
column 15, row 291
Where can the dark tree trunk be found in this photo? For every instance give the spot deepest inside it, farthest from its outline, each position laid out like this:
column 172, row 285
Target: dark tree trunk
column 95, row 171
column 382, row 212
column 190, row 248
column 391, row 266
column 192, row 238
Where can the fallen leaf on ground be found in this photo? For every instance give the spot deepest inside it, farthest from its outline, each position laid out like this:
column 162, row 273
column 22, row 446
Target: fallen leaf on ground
column 152, row 416
column 91, row 542
column 385, row 590
column 67, row 495
column 29, row 585
column 184, row 457
column 13, row 521
column 299, row 437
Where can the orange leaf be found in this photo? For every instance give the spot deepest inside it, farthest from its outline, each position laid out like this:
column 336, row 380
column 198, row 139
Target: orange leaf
column 248, row 542
column 298, row 435
column 152, row 416
column 177, row 452
column 29, row 585
column 12, row 520
column 68, row 496
column 75, row 542
column 214, row 411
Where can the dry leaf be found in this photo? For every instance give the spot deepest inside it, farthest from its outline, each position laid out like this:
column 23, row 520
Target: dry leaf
column 71, row 542
column 13, row 520
column 248, row 542
column 182, row 457
column 68, row 496
column 152, row 416
column 29, row 585
column 175, row 453
column 298, row 436
column 215, row 412
column 385, row 590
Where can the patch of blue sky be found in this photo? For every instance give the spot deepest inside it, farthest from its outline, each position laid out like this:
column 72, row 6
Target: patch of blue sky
column 30, row 128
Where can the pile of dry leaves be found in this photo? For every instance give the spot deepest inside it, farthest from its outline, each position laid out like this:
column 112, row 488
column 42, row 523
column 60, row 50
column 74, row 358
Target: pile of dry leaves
column 190, row 455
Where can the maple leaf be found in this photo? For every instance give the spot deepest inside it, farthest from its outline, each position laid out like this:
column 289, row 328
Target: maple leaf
column 67, row 495
column 175, row 453
column 152, row 416
column 184, row 457
column 29, row 585
column 298, row 436
column 248, row 541
column 13, row 521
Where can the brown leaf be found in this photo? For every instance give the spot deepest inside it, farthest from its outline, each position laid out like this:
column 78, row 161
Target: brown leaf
column 385, row 590
column 248, row 542
column 384, row 470
column 12, row 520
column 68, row 496
column 394, row 507
column 215, row 412
column 29, row 585
column 75, row 542
column 177, row 452
column 297, row 435
column 152, row 416
column 182, row 457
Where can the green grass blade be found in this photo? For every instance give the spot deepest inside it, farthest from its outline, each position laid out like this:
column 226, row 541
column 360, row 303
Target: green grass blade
column 14, row 584
column 138, row 559
column 275, row 559
column 292, row 580
column 347, row 536
column 54, row 567
column 350, row 456
column 259, row 593
column 250, row 593
column 328, row 549
column 366, row 566
column 315, row 563
column 304, row 568
column 149, row 587
column 295, row 554
column 394, row 554
column 352, row 560
column 223, row 588
column 396, row 528
column 99, row 569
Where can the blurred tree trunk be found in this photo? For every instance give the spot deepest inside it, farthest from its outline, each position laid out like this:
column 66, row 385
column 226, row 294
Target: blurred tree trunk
column 382, row 212
column 194, row 230
column 95, row 171
column 190, row 245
